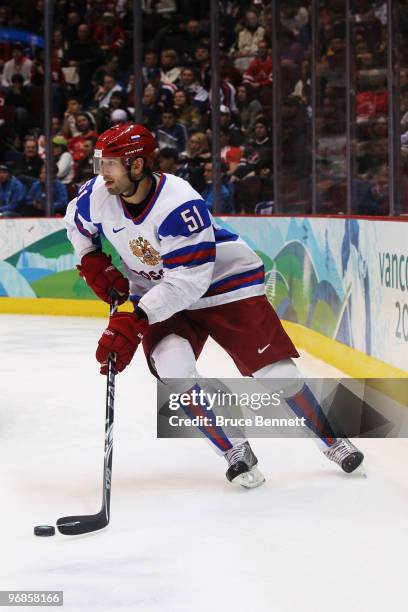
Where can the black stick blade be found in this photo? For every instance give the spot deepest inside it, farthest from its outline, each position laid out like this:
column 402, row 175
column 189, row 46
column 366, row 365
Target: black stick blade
column 75, row 525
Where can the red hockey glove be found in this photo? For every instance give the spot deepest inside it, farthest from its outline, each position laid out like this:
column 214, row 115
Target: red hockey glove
column 102, row 277
column 121, row 337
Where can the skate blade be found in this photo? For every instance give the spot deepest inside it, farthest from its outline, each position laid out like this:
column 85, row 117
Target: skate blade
column 251, row 479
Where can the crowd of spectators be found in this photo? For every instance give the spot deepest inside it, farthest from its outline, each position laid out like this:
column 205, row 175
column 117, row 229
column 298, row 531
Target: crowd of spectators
column 369, row 107
column 93, row 84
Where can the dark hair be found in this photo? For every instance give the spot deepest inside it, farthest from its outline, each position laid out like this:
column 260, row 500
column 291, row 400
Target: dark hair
column 17, row 78
column 203, row 45
column 168, row 153
column 169, row 109
column 249, row 92
column 92, row 139
column 263, row 120
column 118, row 94
column 90, row 118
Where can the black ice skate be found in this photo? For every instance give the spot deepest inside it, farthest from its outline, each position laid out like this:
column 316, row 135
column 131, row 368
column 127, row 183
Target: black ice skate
column 345, row 454
column 242, row 466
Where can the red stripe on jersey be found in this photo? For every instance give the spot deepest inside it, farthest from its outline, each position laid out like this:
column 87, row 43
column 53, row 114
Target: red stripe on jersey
column 236, row 282
column 180, row 259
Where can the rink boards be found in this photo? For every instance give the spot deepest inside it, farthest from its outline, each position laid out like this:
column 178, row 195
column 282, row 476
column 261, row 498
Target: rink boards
column 340, row 284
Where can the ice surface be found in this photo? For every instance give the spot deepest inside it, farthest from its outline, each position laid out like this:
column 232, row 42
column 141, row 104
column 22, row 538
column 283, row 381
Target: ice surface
column 181, row 538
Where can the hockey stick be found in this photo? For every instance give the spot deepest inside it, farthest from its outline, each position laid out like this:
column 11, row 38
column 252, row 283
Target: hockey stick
column 75, row 525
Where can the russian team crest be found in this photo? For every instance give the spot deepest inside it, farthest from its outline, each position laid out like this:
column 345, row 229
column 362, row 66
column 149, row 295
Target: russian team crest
column 144, row 251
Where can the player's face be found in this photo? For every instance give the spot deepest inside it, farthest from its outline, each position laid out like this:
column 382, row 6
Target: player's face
column 115, row 175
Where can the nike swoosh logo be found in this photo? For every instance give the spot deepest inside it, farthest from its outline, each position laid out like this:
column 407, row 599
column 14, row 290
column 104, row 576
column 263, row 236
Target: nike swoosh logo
column 261, row 350
column 115, row 231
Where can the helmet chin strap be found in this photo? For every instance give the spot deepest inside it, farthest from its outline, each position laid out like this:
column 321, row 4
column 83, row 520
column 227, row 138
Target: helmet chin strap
column 135, row 184
column 134, row 181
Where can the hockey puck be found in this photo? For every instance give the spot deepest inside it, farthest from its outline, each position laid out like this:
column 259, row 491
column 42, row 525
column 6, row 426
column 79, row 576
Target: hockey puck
column 44, row 530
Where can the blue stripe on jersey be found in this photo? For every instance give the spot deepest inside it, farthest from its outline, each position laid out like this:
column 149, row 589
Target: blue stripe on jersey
column 194, row 255
column 84, row 199
column 96, row 239
column 159, row 187
column 252, row 277
column 81, row 228
column 100, row 229
column 189, row 218
column 224, row 235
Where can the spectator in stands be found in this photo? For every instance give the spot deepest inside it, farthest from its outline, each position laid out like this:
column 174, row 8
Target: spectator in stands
column 227, row 121
column 36, row 197
column 293, row 52
column 164, row 91
column 259, row 71
column 110, row 67
column 167, row 160
column 150, row 109
column 198, row 148
column 18, row 96
column 94, row 11
column 170, row 133
column 84, row 55
column 189, row 83
column 12, row 193
column 63, row 159
column 294, row 18
column 370, row 196
column 60, row 46
column 254, row 194
column 203, row 65
column 85, row 125
column 109, row 35
column 104, row 114
column 231, row 152
column 248, row 38
column 56, row 130
column 71, row 25
column 226, row 199
column 372, row 98
column 151, row 62
column 171, row 36
column 248, row 108
column 187, row 114
column 69, row 127
column 118, row 116
column 85, row 170
column 104, row 92
column 191, row 39
column 6, row 127
column 27, row 168
column 228, row 71
column 19, row 64
column 258, row 153
column 379, row 144
column 193, row 159
column 170, row 69
column 227, row 95
column 302, row 89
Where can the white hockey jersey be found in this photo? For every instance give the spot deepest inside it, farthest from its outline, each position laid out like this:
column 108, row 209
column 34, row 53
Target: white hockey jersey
column 175, row 256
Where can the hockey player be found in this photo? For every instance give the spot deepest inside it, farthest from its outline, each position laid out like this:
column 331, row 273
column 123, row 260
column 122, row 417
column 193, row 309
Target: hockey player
column 188, row 279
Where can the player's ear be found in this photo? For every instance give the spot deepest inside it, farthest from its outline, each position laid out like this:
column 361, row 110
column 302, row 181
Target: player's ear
column 137, row 167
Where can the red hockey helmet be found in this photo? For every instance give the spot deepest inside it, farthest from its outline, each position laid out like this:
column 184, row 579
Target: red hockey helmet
column 126, row 142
